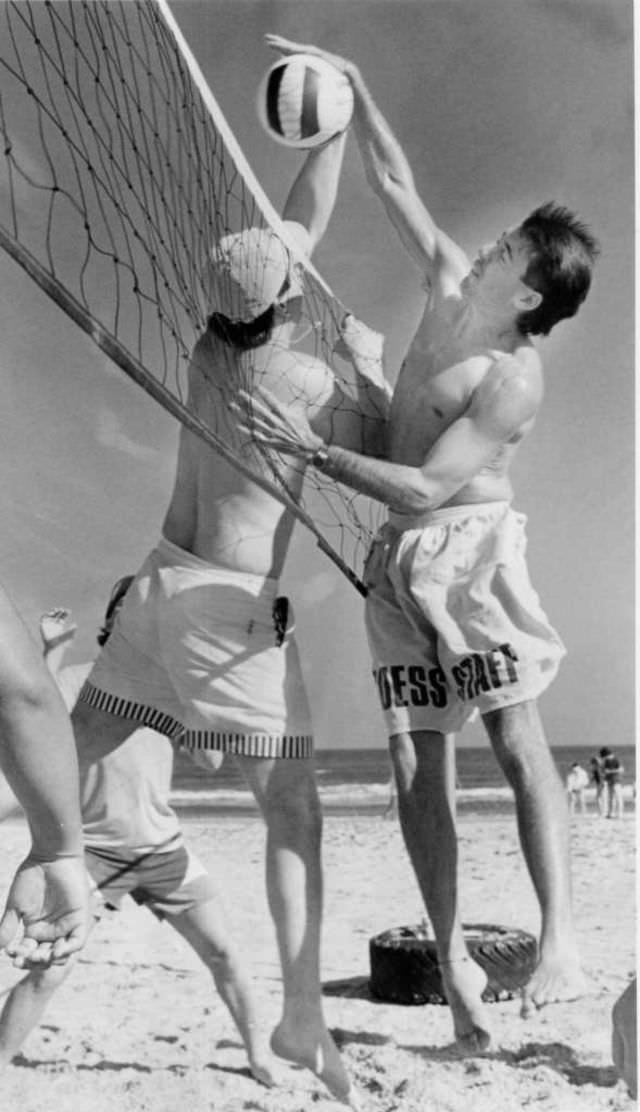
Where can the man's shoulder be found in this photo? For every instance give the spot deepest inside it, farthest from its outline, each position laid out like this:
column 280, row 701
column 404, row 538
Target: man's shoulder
column 518, row 373
column 296, row 376
column 298, row 236
column 523, row 360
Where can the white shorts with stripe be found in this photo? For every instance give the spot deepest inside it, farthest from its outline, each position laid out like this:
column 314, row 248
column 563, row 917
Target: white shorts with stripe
column 453, row 622
column 206, row 656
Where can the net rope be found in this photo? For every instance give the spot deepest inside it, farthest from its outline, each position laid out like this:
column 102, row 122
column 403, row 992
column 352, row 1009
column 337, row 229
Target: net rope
column 119, row 175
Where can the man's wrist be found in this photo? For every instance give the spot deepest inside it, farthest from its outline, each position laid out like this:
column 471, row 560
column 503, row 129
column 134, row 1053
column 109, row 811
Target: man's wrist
column 56, row 842
column 41, row 854
column 50, row 643
column 351, row 71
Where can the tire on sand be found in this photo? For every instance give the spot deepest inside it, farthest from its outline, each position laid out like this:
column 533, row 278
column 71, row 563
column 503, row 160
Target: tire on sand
column 404, row 963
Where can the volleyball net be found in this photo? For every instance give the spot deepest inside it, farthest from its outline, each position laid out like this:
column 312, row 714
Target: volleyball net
column 119, row 175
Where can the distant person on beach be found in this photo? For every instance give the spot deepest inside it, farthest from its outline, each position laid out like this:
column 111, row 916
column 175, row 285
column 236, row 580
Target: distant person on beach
column 576, row 785
column 46, row 908
column 134, row 846
column 597, row 779
column 612, row 772
column 452, row 618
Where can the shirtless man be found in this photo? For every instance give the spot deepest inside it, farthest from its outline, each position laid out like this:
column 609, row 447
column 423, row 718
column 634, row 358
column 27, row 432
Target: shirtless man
column 46, row 915
column 452, row 619
column 203, row 647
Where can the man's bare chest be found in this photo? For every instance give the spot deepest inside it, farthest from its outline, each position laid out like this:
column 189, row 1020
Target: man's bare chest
column 438, row 385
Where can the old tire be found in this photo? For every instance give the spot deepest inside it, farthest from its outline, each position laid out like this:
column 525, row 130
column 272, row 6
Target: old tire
column 404, row 963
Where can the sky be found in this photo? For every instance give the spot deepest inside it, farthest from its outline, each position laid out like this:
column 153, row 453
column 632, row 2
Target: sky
column 499, row 106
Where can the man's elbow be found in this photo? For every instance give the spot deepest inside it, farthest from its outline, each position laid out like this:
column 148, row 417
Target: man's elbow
column 382, row 180
column 416, row 498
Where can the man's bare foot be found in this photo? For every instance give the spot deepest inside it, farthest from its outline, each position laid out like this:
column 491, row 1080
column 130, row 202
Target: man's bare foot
column 557, row 977
column 310, row 1045
column 464, row 982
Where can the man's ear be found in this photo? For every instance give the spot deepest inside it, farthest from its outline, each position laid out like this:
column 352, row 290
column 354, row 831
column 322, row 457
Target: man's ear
column 526, row 299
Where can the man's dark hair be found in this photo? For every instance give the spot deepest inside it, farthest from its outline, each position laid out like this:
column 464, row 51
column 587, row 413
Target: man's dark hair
column 562, row 254
column 243, row 335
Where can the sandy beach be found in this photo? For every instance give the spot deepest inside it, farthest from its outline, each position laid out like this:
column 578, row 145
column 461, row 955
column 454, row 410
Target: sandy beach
column 139, row 1028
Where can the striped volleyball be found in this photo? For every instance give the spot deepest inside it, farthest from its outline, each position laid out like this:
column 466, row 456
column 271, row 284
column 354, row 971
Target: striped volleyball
column 303, row 101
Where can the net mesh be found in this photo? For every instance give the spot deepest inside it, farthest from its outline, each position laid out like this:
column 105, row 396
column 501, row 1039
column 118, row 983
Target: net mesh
column 119, row 175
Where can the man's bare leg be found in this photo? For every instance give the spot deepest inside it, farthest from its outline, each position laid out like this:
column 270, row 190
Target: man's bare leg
column 204, row 928
column 26, row 1004
column 424, row 765
column 522, row 751
column 288, row 797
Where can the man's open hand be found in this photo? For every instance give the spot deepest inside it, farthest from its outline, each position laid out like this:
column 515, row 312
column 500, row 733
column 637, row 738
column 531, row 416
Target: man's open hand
column 283, row 428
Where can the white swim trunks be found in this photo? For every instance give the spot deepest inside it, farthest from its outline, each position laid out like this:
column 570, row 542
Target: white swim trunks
column 452, row 619
column 208, row 656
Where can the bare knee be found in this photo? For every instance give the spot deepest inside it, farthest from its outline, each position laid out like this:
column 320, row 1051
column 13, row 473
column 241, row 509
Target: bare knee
column 522, row 751
column 217, row 956
column 423, row 763
column 403, row 760
column 293, row 808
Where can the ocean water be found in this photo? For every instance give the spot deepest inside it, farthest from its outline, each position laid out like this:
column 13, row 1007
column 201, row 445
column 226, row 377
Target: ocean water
column 358, row 779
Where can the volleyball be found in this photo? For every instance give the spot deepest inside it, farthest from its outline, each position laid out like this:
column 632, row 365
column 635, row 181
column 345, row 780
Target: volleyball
column 304, row 101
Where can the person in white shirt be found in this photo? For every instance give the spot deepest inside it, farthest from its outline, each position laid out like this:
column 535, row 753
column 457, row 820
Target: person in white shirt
column 577, row 782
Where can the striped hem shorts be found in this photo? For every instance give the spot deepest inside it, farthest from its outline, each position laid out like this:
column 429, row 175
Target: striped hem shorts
column 206, row 656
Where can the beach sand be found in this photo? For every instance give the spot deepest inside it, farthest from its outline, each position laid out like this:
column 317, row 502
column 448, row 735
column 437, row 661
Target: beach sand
column 139, row 1027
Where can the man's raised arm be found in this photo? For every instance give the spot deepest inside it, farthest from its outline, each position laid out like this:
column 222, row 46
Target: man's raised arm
column 390, row 176
column 312, row 196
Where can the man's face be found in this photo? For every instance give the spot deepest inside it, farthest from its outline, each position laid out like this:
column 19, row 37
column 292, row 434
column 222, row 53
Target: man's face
column 499, row 268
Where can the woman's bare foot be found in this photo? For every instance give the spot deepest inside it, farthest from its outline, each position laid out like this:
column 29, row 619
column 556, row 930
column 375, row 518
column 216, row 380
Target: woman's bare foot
column 464, row 982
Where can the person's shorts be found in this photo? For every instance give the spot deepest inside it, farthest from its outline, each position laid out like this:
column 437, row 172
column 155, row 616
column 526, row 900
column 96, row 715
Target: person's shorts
column 206, row 656
column 452, row 619
column 168, row 883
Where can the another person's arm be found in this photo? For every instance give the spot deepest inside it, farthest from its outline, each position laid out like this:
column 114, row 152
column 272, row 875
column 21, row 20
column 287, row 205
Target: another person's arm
column 57, row 631
column 390, row 176
column 503, row 402
column 46, row 914
column 312, row 196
